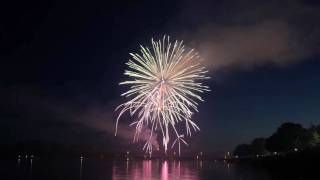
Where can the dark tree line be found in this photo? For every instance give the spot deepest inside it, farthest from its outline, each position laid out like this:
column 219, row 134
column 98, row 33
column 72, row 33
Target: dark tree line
column 288, row 137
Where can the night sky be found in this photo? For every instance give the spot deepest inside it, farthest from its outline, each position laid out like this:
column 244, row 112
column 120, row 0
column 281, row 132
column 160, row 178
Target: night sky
column 61, row 63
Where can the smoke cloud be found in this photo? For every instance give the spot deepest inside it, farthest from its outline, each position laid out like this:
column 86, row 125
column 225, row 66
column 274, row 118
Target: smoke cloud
column 103, row 118
column 97, row 117
column 248, row 46
column 253, row 33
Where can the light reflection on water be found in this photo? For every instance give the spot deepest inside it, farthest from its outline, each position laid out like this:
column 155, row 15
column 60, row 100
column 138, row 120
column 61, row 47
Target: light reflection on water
column 96, row 169
column 185, row 169
column 155, row 169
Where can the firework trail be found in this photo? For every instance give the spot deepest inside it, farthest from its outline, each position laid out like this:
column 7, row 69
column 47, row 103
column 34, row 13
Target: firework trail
column 163, row 91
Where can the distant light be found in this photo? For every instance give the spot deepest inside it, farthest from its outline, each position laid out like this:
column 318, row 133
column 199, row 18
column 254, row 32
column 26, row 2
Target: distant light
column 295, row 149
column 237, row 156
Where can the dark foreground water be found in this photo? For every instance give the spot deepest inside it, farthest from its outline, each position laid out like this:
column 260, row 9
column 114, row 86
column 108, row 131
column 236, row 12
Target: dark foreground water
column 99, row 169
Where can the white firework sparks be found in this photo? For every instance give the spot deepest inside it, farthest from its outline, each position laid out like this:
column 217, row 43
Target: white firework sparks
column 163, row 90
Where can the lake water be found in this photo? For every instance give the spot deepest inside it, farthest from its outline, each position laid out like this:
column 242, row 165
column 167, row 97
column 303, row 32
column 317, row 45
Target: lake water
column 99, row 169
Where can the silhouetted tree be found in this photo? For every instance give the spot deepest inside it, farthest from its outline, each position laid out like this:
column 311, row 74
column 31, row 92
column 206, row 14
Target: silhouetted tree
column 243, row 150
column 315, row 132
column 258, row 146
column 287, row 137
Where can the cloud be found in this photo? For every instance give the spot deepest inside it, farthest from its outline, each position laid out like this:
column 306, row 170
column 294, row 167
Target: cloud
column 42, row 109
column 254, row 33
column 102, row 118
column 247, row 46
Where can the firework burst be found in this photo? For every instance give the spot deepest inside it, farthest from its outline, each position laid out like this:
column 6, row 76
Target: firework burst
column 163, row 91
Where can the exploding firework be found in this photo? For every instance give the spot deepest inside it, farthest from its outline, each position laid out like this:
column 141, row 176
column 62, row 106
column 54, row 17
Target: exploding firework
column 163, row 91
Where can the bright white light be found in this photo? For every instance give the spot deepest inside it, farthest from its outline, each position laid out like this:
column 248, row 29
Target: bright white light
column 164, row 87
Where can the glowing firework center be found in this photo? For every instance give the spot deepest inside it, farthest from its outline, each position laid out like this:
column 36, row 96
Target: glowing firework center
column 163, row 91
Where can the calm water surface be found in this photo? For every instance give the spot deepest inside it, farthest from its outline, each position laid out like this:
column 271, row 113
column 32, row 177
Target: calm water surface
column 93, row 169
